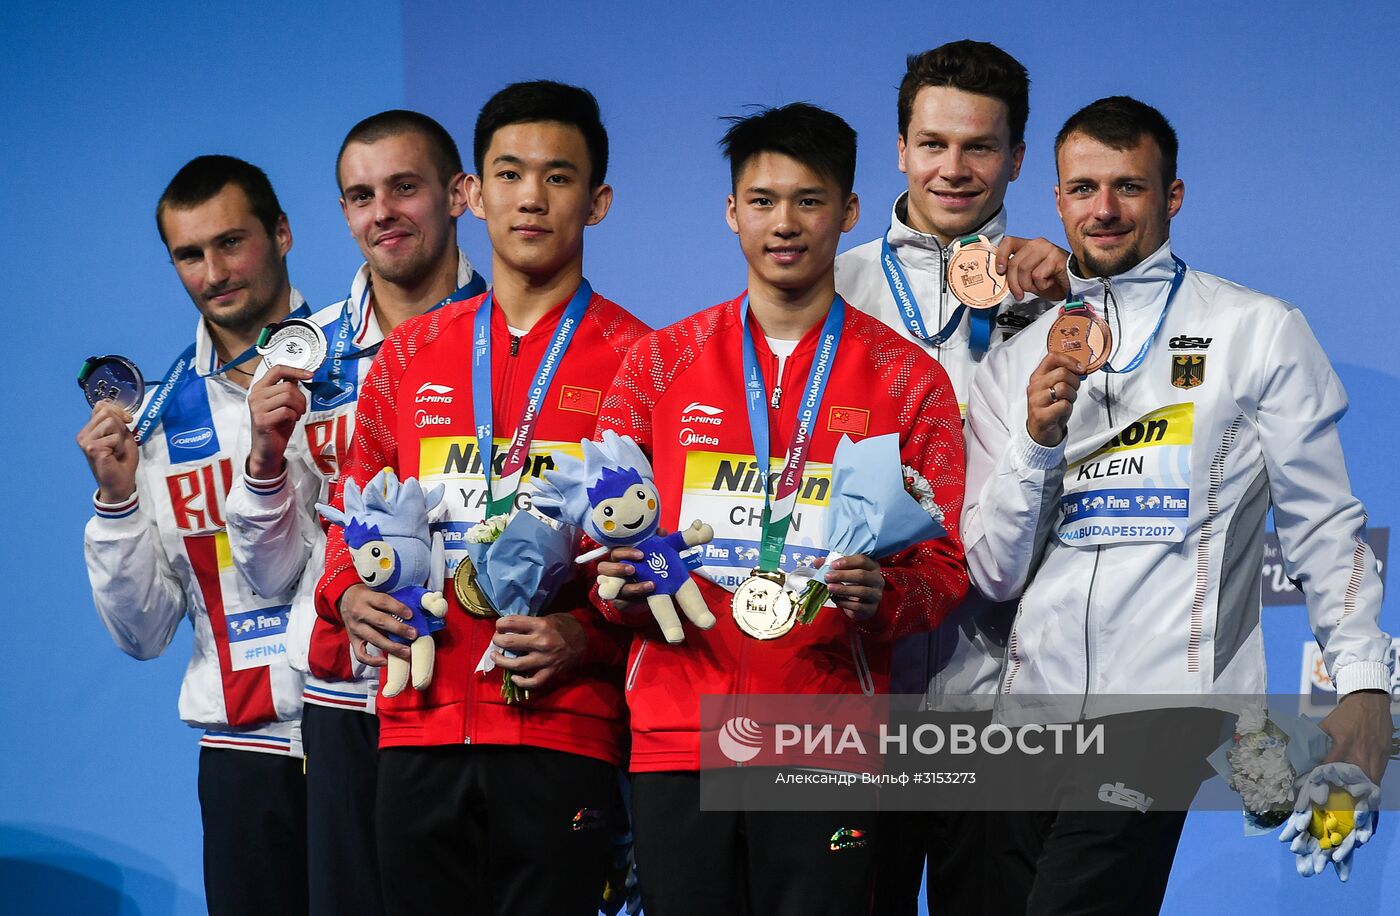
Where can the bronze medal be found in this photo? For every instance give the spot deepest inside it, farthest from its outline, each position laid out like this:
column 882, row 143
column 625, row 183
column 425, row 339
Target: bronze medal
column 1081, row 333
column 468, row 591
column 763, row 608
column 973, row 276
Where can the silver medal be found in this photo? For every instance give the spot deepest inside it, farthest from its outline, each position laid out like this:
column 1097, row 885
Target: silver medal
column 763, row 609
column 295, row 342
column 112, row 378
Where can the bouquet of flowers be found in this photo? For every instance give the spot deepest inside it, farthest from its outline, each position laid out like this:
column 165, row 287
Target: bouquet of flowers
column 520, row 562
column 879, row 507
column 1260, row 770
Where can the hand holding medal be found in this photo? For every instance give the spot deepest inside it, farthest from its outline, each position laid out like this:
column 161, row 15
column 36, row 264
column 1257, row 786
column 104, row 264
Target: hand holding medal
column 114, row 388
column 973, row 276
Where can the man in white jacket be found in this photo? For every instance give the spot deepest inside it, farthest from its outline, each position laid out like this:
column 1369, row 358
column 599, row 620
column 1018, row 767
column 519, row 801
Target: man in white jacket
column 962, row 118
column 402, row 189
column 1126, row 509
column 157, row 549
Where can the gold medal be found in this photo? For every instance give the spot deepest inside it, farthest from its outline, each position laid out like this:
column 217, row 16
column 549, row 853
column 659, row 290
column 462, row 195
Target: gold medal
column 468, row 591
column 973, row 275
column 1081, row 333
column 763, row 608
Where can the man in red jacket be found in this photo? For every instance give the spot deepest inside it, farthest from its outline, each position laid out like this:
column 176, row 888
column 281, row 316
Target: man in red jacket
column 504, row 806
column 826, row 371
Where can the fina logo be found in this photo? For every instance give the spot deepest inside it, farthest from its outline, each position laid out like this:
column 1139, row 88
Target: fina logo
column 193, row 439
column 741, row 739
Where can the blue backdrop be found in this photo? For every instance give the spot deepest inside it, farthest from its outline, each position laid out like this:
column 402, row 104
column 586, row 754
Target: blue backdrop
column 1284, row 111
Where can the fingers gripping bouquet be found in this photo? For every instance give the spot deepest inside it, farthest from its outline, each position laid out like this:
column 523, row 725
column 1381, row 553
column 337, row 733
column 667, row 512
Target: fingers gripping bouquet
column 612, row 497
column 514, row 565
column 878, row 508
column 386, row 529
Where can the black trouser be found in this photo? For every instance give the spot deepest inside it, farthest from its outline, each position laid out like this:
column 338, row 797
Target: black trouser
column 953, row 842
column 342, row 757
column 254, row 811
column 1095, row 853
column 498, row 830
column 1083, row 862
column 766, row 863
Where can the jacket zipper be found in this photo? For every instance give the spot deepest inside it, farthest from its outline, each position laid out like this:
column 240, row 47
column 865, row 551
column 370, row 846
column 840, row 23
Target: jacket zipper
column 636, row 664
column 1088, row 603
column 864, row 678
column 942, row 294
column 1108, row 376
column 507, row 389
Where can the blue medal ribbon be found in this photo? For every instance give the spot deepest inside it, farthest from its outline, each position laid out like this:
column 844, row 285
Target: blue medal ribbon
column 1177, row 277
column 979, row 326
column 482, row 400
column 183, row 365
column 774, row 530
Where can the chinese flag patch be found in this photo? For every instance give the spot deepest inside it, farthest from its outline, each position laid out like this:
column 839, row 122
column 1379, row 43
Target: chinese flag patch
column 580, row 400
column 851, row 420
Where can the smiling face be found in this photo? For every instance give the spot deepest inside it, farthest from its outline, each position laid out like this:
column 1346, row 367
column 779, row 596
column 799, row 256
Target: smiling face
column 374, row 562
column 629, row 517
column 1116, row 204
column 789, row 219
column 958, row 157
column 233, row 270
column 399, row 208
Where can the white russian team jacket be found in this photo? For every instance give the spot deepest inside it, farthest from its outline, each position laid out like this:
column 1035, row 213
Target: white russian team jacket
column 163, row 555
column 1135, row 546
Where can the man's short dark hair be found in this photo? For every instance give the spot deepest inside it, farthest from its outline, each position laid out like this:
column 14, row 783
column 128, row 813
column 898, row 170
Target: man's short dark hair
column 1120, row 122
column 972, row 66
column 545, row 100
column 813, row 136
column 202, row 178
column 396, row 122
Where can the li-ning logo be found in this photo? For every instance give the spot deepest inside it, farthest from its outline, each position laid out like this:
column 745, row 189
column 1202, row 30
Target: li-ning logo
column 740, row 739
column 193, row 439
column 433, row 394
column 1120, row 795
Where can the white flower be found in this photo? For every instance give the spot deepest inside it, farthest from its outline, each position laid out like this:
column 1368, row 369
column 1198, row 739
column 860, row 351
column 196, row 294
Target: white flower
column 1252, row 719
column 488, row 531
column 922, row 491
column 1259, row 767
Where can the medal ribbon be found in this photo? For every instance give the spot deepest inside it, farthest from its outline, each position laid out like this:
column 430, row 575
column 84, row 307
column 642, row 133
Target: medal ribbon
column 979, row 326
column 1177, row 277
column 177, row 372
column 470, row 290
column 778, row 505
column 501, row 493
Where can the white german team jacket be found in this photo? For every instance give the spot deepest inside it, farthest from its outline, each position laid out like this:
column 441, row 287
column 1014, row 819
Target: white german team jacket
column 1135, row 545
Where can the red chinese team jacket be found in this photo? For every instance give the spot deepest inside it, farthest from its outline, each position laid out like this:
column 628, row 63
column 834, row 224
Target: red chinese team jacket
column 680, row 393
column 415, row 416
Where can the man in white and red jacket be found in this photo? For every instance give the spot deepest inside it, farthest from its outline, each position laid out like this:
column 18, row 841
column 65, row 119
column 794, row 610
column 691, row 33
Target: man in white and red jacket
column 402, row 190
column 681, row 394
column 157, row 545
column 503, row 808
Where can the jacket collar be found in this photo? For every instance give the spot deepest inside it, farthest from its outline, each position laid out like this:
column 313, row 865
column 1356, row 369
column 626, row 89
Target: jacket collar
column 1140, row 287
column 361, row 311
column 206, row 357
column 914, row 246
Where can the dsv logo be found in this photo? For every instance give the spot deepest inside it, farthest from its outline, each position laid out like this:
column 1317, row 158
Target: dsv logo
column 740, row 739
